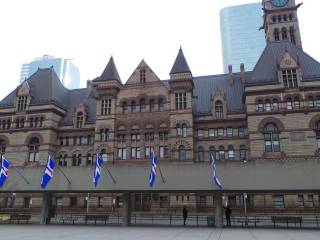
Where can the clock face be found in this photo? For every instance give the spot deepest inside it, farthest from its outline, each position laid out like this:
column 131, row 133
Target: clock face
column 279, row 3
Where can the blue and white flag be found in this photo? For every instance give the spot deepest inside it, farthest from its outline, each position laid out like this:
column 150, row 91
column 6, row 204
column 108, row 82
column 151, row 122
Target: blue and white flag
column 97, row 169
column 5, row 164
column 153, row 173
column 214, row 174
column 48, row 172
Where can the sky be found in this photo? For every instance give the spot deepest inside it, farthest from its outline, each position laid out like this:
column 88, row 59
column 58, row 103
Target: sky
column 90, row 31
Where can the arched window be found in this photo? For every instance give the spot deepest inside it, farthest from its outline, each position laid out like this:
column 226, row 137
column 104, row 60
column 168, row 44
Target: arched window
column 274, row 19
column 279, row 18
column 268, row 105
column 2, row 148
column 289, row 103
column 161, row 105
column 104, row 135
column 276, row 34
column 318, row 134
column 275, row 104
column 221, row 153
column 124, row 107
column 260, row 105
column 285, row 18
column 182, row 153
column 292, row 35
column 104, row 155
column 219, row 109
column 89, row 161
column 142, row 105
column 296, row 103
column 34, row 145
column 184, row 130
column 200, row 154
column 243, row 153
column 284, row 33
column 310, row 101
column 152, row 105
column 79, row 122
column 179, row 130
column 62, row 160
column 231, row 153
column 133, row 106
column 271, row 138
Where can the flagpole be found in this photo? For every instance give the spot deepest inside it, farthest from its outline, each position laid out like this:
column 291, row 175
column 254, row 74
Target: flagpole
column 163, row 181
column 114, row 181
column 65, row 176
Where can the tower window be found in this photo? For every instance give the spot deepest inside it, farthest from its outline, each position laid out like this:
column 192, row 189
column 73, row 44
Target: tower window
column 276, row 34
column 292, row 36
column 104, row 134
column 284, row 34
column 106, row 107
column 142, row 75
column 290, row 78
column 274, row 19
column 181, row 101
column 285, row 18
column 271, row 138
column 279, row 18
column 34, row 145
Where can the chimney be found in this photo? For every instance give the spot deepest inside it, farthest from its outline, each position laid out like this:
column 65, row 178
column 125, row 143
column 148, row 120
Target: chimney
column 242, row 73
column 230, row 75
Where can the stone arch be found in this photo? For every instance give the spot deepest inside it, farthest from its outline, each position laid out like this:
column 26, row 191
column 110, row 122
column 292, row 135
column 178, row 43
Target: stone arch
column 37, row 135
column 273, row 120
column 5, row 139
column 183, row 143
column 313, row 121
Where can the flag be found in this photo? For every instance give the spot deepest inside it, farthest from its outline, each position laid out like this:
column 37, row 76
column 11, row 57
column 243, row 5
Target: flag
column 153, row 173
column 48, row 172
column 97, row 169
column 214, row 174
column 5, row 164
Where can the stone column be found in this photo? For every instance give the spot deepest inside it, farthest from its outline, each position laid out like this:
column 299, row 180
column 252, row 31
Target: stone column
column 218, row 209
column 46, row 205
column 126, row 210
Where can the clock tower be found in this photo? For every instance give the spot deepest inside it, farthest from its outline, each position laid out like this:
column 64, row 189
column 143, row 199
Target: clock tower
column 281, row 21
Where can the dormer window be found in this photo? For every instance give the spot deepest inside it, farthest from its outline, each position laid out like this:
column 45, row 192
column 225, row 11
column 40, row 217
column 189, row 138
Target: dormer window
column 22, row 103
column 219, row 109
column 142, row 75
column 79, row 120
column 290, row 78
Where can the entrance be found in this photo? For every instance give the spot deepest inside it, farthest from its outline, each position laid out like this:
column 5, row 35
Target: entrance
column 142, row 202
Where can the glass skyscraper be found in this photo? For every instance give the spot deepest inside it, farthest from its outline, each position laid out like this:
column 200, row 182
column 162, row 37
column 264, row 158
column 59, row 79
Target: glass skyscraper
column 67, row 72
column 242, row 42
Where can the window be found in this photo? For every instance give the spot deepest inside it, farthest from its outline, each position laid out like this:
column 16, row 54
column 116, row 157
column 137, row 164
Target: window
column 26, row 202
column 318, row 101
column 182, row 153
column 41, row 121
column 201, row 201
column 133, row 106
column 161, row 105
column 278, row 201
column 289, row 104
column 104, row 134
column 292, row 35
column 63, row 160
column 219, row 110
column 221, row 153
column 260, row 106
column 284, row 34
column 164, row 201
column 271, row 138
column 20, row 123
column 310, row 101
column 22, row 103
column 121, row 137
column 274, row 19
column 135, row 153
column 163, row 135
column 34, row 145
column 201, row 133
column 135, row 137
column 89, row 161
column 104, row 155
column 142, row 105
column 147, row 151
column 184, row 130
column 318, row 134
column 142, row 75
column 106, row 107
column 75, row 140
column 212, row 151
column 276, row 34
column 290, row 17
column 73, row 202
column 151, row 105
column 243, row 153
column 36, row 122
column 124, row 107
column 279, row 18
column 220, row 132
column 229, row 132
column 164, row 151
column 275, row 104
column 285, row 18
column 76, row 159
column 122, row 153
column 67, row 141
column 241, row 132
column 2, row 148
column 311, row 201
column 149, row 136
column 212, row 132
column 100, row 201
column 79, row 122
column 200, row 154
column 181, row 101
column 290, row 78
column 31, row 122
column 89, row 140
column 268, row 105
column 300, row 200
column 231, row 153
column 296, row 103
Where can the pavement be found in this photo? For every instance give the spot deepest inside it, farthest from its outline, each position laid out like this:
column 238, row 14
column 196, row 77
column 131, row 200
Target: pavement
column 53, row 232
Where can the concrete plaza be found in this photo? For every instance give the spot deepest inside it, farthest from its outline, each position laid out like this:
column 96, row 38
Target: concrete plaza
column 36, row 232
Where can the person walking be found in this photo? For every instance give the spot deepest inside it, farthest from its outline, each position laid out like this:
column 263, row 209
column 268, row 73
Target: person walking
column 228, row 212
column 185, row 215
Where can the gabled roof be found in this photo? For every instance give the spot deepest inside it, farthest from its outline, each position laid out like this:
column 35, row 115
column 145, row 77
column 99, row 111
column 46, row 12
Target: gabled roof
column 180, row 65
column 110, row 72
column 265, row 70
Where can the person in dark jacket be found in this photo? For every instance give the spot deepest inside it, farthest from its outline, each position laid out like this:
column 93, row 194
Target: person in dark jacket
column 228, row 212
column 185, row 215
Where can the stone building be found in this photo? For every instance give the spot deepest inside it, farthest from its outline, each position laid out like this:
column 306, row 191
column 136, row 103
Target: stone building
column 266, row 116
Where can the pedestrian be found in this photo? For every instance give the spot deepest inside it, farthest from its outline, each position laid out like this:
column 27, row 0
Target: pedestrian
column 185, row 215
column 228, row 212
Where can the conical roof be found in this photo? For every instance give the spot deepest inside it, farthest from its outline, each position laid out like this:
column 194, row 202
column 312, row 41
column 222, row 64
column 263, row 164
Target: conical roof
column 180, row 65
column 110, row 72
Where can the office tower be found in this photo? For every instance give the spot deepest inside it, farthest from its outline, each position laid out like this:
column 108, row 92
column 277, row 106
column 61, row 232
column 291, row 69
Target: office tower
column 242, row 41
